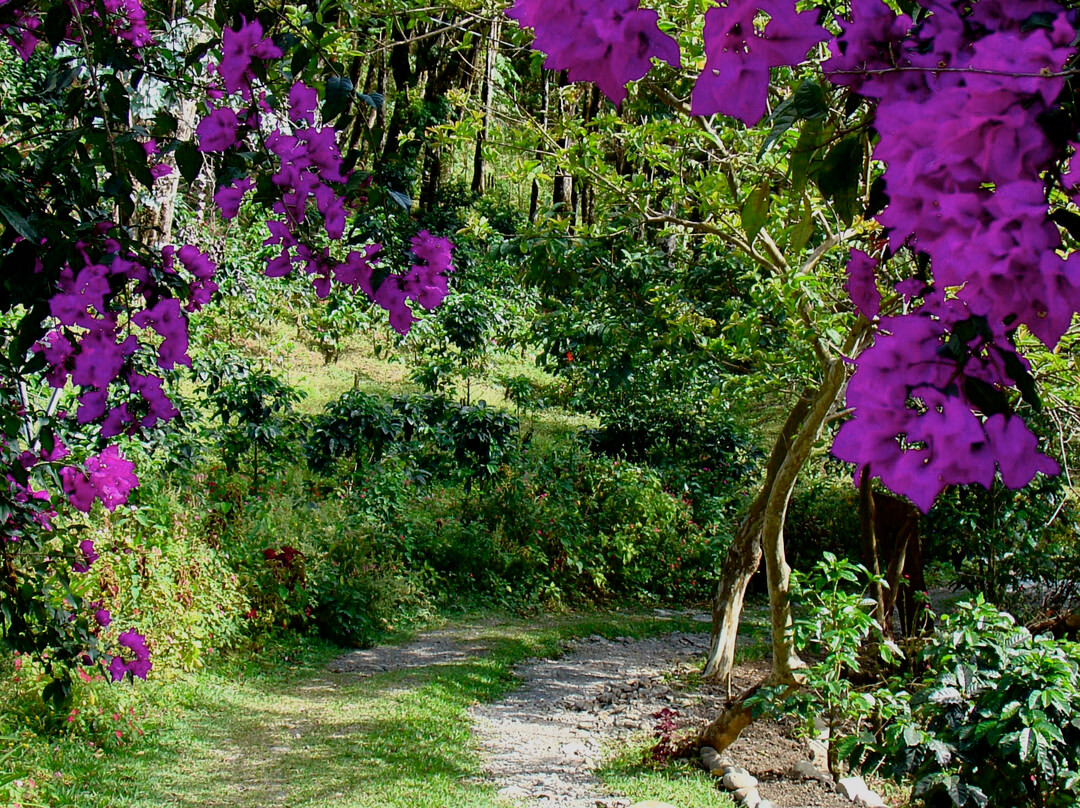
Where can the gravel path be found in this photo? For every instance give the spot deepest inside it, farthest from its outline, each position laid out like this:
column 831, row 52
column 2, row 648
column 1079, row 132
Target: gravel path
column 542, row 743
column 543, row 740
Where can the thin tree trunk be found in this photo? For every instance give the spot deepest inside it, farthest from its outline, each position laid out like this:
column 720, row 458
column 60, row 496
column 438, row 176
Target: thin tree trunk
column 870, row 544
column 744, row 555
column 785, row 660
column 534, row 197
column 487, row 94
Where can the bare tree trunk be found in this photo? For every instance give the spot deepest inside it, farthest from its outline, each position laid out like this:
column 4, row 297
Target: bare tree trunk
column 785, row 660
column 870, row 545
column 487, row 94
column 534, row 197
column 806, row 431
column 744, row 555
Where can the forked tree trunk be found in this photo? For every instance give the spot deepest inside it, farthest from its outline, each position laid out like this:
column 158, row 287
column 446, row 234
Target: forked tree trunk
column 744, row 555
column 790, row 453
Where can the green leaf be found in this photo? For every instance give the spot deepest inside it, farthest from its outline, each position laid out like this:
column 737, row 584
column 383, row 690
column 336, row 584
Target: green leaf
column 838, row 179
column 755, row 210
column 810, row 101
column 783, row 118
column 1027, row 743
column 946, row 695
column 374, row 100
column 807, row 145
column 801, row 232
column 338, row 98
column 1025, row 382
column 912, row 735
column 19, row 224
column 189, row 160
column 401, row 198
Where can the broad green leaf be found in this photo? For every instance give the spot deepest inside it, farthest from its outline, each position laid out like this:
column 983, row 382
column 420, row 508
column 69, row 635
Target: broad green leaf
column 755, row 210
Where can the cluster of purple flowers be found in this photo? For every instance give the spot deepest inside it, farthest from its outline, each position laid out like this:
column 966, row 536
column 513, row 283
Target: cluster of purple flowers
column 959, row 99
column 609, row 42
column 738, row 56
column 965, row 161
column 93, row 348
column 108, row 476
column 123, row 19
column 310, row 178
column 140, row 665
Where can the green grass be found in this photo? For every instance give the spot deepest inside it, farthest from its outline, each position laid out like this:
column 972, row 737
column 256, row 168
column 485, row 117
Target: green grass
column 680, row 783
column 273, row 727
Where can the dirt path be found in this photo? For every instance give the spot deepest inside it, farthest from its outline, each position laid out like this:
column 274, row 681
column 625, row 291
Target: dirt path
column 542, row 743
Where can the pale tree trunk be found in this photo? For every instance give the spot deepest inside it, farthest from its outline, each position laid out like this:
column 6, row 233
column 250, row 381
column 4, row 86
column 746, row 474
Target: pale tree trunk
column 487, row 95
column 785, row 661
column 800, row 433
column 156, row 220
column 744, row 555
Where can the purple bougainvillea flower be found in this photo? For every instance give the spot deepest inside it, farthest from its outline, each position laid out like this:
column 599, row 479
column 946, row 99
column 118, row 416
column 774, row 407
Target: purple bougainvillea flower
column 303, row 101
column 134, row 643
column 238, row 49
column 167, row 320
column 735, row 80
column 108, row 476
column 86, row 547
column 861, row 284
column 218, row 131
column 229, row 197
column 609, row 42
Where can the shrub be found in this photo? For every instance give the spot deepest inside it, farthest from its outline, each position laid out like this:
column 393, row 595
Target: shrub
column 995, row 720
column 162, row 578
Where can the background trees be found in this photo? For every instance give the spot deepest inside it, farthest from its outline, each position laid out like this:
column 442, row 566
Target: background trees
column 691, row 290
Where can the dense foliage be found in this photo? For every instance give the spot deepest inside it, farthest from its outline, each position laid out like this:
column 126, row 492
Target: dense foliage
column 192, row 198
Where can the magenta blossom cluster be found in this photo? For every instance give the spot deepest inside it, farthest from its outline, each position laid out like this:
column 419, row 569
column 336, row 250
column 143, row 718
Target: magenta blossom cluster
column 93, row 346
column 966, row 168
column 108, row 477
column 738, row 55
column 609, row 42
column 140, row 665
column 310, row 180
column 916, row 428
column 87, row 556
column 960, row 97
column 123, row 19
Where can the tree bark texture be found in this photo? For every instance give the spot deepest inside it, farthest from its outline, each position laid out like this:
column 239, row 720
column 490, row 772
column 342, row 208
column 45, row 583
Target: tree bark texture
column 744, row 555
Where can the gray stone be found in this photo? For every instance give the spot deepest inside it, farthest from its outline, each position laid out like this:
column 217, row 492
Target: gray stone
column 735, row 780
column 765, row 804
column 871, row 799
column 807, row 770
column 513, row 793
column 748, row 797
column 852, row 787
column 710, row 758
column 819, row 753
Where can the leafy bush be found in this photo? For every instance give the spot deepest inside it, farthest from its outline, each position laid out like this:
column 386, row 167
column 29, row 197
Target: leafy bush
column 834, row 624
column 1018, row 549
column 994, row 721
column 161, row 577
column 254, row 408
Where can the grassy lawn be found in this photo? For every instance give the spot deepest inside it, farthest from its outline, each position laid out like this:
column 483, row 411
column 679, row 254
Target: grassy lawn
column 272, row 727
